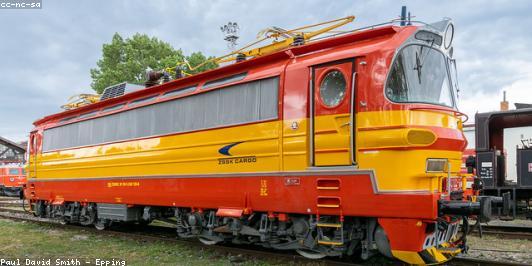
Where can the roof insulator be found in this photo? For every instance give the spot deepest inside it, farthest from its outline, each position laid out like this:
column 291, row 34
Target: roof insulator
column 240, row 57
column 178, row 73
column 298, row 40
column 152, row 78
column 166, row 77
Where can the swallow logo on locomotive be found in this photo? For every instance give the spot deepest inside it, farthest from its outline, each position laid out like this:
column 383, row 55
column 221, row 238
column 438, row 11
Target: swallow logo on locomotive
column 234, row 160
column 225, row 149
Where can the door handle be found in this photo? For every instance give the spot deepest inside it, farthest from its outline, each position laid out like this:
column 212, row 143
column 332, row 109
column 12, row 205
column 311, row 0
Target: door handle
column 346, row 124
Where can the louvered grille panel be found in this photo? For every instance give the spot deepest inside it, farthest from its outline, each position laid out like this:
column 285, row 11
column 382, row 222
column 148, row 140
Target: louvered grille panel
column 113, row 91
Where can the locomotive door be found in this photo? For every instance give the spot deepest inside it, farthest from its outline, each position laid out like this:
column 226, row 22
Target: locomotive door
column 32, row 152
column 332, row 114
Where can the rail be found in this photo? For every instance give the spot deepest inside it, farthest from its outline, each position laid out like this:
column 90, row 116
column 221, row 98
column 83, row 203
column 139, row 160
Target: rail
column 167, row 233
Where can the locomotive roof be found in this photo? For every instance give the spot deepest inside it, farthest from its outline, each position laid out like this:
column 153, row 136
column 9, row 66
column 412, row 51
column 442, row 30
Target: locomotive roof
column 317, row 45
column 12, row 145
column 11, row 165
column 487, row 123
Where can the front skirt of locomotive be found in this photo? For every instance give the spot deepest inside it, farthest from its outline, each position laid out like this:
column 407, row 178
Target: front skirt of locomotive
column 424, row 242
column 10, row 191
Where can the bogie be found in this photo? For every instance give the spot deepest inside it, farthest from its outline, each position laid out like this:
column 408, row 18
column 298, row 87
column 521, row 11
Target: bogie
column 310, row 236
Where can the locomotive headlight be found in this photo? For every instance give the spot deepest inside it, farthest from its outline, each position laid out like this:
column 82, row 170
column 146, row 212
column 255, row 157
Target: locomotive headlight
column 436, row 165
column 449, row 35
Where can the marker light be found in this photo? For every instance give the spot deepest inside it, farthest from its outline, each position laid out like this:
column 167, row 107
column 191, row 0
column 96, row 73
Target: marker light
column 429, row 37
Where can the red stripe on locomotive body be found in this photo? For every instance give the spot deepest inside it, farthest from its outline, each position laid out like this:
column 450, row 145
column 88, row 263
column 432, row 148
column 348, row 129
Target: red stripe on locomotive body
column 356, row 194
column 448, row 139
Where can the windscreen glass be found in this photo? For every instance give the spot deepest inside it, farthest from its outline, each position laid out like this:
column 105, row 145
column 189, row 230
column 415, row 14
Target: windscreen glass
column 419, row 75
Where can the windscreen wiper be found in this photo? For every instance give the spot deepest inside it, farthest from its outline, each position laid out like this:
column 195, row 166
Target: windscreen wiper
column 418, row 65
column 420, row 60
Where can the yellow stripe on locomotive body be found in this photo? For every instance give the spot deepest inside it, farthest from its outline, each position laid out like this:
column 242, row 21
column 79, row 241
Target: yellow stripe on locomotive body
column 266, row 147
column 187, row 153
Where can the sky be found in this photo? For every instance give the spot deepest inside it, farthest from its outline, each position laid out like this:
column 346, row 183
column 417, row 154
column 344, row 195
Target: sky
column 46, row 54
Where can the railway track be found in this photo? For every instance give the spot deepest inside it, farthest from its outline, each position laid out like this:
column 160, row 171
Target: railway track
column 6, row 198
column 167, row 233
column 509, row 232
column 10, row 204
column 465, row 261
column 163, row 233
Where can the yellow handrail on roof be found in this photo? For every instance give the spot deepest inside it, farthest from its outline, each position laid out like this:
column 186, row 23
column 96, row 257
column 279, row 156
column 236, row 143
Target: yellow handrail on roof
column 290, row 36
column 80, row 100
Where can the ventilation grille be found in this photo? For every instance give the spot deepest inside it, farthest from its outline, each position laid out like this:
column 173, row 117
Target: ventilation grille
column 119, row 90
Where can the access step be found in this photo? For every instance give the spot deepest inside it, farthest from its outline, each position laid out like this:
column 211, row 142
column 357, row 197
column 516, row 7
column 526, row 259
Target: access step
column 328, row 184
column 328, row 202
column 330, row 225
column 330, row 243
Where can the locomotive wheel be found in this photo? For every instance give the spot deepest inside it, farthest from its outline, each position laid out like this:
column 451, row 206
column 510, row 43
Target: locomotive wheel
column 311, row 254
column 207, row 241
column 101, row 224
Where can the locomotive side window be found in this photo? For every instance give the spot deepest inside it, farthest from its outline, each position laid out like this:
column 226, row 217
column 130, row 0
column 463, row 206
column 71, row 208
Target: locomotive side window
column 232, row 105
column 419, row 75
column 225, row 80
column 332, row 88
column 142, row 101
column 178, row 92
column 114, row 108
column 87, row 115
column 67, row 119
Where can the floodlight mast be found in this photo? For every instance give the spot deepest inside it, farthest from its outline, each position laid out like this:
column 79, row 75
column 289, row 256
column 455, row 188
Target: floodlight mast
column 230, row 31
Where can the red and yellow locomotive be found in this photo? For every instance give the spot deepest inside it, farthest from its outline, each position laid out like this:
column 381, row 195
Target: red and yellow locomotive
column 333, row 147
column 12, row 179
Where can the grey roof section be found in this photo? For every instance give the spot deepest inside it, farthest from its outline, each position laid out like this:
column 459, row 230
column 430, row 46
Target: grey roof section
column 12, row 145
column 523, row 105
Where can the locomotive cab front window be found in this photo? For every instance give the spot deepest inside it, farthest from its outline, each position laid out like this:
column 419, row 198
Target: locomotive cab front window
column 13, row 171
column 419, row 75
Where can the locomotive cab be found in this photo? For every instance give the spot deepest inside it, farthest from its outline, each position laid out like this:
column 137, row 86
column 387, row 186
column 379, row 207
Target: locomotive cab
column 13, row 178
column 422, row 143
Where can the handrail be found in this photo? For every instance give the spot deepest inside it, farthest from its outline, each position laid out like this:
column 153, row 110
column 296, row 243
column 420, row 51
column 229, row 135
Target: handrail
column 455, row 112
column 275, row 46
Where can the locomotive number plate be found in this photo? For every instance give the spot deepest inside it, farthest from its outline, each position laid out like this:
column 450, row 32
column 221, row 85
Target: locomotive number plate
column 292, row 181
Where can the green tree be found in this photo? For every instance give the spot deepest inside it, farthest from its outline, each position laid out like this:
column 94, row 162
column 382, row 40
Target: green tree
column 127, row 60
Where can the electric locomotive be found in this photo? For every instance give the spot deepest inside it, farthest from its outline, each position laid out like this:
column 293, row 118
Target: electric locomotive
column 341, row 146
column 12, row 179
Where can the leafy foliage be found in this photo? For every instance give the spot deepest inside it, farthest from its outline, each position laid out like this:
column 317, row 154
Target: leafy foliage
column 127, row 60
